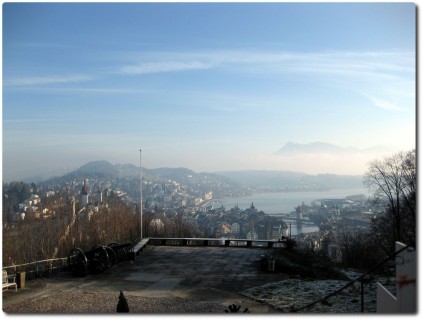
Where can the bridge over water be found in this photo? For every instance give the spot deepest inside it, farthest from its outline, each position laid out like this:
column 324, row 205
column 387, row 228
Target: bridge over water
column 291, row 219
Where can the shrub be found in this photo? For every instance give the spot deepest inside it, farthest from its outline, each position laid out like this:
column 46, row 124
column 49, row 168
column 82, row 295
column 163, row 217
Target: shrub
column 233, row 308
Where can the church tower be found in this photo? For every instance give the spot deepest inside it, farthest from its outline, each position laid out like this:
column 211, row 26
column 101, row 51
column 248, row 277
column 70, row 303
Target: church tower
column 84, row 194
column 99, row 196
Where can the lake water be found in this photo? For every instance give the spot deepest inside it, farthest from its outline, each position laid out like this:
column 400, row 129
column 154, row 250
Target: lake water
column 286, row 202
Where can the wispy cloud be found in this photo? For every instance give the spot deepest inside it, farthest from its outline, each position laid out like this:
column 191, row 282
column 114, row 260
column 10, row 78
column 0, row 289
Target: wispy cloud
column 40, row 45
column 86, row 90
column 352, row 64
column 388, row 65
column 31, row 81
column 389, row 76
column 381, row 103
column 164, row 66
column 34, row 120
column 385, row 78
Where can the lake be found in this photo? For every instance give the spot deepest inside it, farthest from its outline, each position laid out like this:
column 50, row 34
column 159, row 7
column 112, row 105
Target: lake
column 286, row 202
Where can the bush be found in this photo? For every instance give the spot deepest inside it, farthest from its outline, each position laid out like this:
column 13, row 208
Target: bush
column 233, row 308
column 305, row 265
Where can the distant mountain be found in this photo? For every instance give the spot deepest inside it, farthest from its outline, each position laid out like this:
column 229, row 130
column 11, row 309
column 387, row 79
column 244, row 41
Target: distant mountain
column 99, row 167
column 177, row 174
column 263, row 180
column 291, row 148
column 126, row 177
column 127, row 170
column 314, row 147
column 224, row 183
column 106, row 169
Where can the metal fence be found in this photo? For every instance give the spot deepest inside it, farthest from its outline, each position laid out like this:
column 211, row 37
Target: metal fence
column 216, row 242
column 40, row 268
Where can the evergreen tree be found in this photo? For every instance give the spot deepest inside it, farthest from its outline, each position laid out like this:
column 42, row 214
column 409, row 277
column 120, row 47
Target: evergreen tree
column 122, row 305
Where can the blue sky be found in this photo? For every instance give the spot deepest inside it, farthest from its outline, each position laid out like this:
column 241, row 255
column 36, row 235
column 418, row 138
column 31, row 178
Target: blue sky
column 217, row 86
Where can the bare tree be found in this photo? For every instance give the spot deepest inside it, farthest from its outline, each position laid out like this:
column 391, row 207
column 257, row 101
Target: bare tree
column 394, row 182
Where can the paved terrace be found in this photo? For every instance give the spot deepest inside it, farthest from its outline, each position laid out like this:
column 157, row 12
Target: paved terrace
column 162, row 273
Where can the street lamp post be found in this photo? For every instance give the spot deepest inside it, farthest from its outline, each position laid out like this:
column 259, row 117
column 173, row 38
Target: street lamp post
column 141, row 194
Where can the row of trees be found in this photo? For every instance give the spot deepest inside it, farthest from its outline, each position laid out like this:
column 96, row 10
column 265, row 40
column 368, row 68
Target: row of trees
column 158, row 224
column 13, row 194
column 34, row 239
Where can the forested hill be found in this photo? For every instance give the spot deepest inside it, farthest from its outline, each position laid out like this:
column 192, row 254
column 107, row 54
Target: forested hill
column 232, row 181
column 126, row 177
column 255, row 180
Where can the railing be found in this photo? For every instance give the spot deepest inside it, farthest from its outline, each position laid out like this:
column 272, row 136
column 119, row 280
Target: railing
column 38, row 268
column 215, row 242
column 45, row 267
column 105, row 255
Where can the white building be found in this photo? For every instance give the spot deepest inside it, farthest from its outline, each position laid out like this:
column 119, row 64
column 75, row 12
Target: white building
column 252, row 235
column 235, row 228
column 208, row 195
column 99, row 196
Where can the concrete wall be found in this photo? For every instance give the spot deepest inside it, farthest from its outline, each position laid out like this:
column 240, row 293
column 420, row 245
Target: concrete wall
column 406, row 294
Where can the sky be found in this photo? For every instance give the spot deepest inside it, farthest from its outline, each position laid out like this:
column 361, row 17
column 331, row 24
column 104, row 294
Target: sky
column 206, row 86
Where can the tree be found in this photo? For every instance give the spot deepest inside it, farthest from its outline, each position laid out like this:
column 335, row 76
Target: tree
column 358, row 250
column 13, row 194
column 122, row 305
column 394, row 181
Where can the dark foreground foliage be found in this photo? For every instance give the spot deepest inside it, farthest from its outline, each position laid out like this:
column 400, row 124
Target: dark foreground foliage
column 306, row 265
column 233, row 308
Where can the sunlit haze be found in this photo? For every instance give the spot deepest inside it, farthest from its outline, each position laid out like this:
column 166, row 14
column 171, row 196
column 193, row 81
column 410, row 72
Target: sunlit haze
column 206, row 86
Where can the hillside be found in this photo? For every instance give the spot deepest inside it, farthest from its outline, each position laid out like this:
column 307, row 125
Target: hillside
column 224, row 183
column 126, row 178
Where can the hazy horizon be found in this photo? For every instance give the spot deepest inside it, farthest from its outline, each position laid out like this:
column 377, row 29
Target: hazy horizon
column 300, row 160
column 206, row 86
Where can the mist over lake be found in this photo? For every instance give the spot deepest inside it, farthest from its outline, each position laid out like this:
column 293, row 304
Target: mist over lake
column 286, row 202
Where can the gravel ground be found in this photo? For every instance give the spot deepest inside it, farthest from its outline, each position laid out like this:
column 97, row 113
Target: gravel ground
column 82, row 301
column 281, row 296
